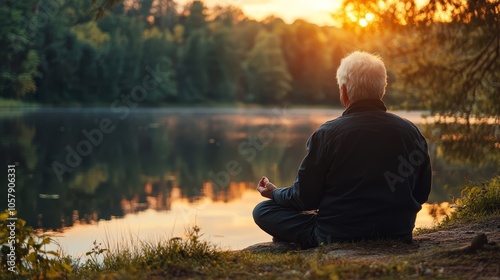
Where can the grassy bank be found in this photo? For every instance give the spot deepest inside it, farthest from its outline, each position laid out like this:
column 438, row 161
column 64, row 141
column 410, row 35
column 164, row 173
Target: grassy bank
column 439, row 252
column 12, row 103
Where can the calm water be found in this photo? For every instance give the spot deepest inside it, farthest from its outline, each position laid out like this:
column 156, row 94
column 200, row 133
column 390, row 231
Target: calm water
column 118, row 176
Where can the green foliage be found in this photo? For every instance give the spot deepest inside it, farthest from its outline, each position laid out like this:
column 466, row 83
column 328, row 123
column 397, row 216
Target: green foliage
column 307, row 56
column 179, row 254
column 168, row 257
column 18, row 58
column 477, row 201
column 224, row 69
column 265, row 67
column 448, row 65
column 172, row 257
column 204, row 56
column 90, row 33
column 32, row 260
column 95, row 258
column 193, row 73
column 15, row 103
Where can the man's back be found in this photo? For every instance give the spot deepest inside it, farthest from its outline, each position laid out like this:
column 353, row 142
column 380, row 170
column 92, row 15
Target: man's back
column 379, row 174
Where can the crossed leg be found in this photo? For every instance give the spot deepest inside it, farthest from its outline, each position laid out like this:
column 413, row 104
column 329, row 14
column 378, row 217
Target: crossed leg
column 286, row 223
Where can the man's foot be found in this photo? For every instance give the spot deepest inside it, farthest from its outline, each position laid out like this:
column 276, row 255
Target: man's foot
column 276, row 239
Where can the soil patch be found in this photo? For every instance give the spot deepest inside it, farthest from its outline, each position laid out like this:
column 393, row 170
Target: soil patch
column 463, row 251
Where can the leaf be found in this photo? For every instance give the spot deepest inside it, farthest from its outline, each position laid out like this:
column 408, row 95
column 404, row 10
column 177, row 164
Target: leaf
column 4, row 215
column 21, row 223
column 67, row 267
column 31, row 257
column 31, row 242
column 45, row 241
column 52, row 273
column 53, row 253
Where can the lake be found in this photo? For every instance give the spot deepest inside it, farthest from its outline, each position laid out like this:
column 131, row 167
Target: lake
column 124, row 176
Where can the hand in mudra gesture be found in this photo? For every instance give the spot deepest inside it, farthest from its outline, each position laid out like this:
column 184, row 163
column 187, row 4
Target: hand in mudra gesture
column 265, row 187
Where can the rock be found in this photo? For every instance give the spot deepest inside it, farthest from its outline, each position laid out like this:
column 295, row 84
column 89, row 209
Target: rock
column 363, row 255
column 292, row 273
column 310, row 274
column 272, row 247
column 478, row 242
column 343, row 253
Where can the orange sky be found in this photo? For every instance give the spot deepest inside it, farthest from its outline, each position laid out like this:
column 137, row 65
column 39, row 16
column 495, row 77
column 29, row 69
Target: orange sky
column 315, row 11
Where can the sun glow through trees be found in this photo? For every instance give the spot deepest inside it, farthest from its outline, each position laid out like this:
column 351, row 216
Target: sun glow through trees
column 369, row 17
column 356, row 16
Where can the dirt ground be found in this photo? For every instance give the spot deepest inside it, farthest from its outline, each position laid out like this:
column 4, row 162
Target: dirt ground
column 467, row 251
column 463, row 251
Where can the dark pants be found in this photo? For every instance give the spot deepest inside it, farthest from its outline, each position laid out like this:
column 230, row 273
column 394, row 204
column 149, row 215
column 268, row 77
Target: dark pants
column 286, row 224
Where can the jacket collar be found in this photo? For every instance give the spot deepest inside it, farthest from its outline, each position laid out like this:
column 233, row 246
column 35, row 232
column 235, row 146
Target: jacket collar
column 365, row 105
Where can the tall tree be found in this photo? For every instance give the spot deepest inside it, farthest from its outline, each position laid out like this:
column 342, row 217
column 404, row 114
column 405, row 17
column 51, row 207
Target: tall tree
column 61, row 52
column 164, row 13
column 224, row 68
column 19, row 60
column 192, row 65
column 267, row 77
column 308, row 61
column 196, row 18
column 229, row 15
column 157, row 47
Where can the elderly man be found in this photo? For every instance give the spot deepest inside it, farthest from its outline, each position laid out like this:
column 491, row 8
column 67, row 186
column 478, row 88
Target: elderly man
column 365, row 176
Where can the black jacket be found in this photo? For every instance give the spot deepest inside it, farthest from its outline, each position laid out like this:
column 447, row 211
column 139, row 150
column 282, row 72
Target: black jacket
column 367, row 172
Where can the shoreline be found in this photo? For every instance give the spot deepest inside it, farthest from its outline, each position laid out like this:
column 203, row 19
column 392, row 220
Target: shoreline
column 455, row 251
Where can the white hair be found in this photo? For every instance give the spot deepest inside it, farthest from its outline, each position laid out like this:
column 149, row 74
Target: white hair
column 364, row 76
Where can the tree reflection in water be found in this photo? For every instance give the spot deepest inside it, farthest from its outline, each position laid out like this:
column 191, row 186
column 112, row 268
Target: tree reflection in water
column 461, row 153
column 155, row 157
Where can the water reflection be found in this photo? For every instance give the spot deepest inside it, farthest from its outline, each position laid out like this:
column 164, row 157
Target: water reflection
column 226, row 224
column 156, row 160
column 461, row 153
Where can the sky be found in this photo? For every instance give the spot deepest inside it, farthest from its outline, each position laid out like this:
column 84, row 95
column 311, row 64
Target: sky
column 315, row 11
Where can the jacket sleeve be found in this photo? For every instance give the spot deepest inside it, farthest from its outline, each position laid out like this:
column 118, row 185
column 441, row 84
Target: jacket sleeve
column 307, row 190
column 423, row 183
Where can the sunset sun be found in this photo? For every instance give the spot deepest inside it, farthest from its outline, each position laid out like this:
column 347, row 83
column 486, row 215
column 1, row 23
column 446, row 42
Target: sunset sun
column 356, row 16
column 369, row 17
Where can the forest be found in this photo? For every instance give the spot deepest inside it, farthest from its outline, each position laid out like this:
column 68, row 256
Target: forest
column 59, row 54
column 74, row 52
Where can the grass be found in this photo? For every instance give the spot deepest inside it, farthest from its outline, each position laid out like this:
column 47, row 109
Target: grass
column 12, row 103
column 476, row 202
column 194, row 258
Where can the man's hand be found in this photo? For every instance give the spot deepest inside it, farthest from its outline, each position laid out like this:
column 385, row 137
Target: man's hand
column 266, row 188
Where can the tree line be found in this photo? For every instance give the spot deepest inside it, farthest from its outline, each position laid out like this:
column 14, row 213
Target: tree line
column 55, row 52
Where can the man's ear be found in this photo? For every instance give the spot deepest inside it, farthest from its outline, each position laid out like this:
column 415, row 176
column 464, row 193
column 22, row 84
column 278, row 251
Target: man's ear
column 344, row 99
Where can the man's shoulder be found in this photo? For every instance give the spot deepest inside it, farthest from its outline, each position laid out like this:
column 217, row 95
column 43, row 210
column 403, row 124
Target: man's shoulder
column 399, row 119
column 381, row 119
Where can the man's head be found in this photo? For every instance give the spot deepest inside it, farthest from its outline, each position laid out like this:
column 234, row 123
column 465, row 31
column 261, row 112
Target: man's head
column 361, row 76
